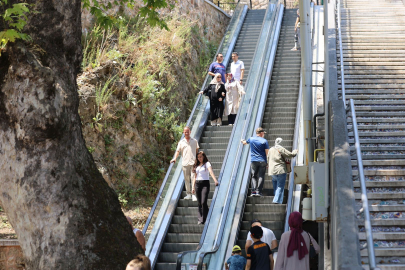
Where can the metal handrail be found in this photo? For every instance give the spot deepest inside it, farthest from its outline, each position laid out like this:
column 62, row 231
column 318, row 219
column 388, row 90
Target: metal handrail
column 364, row 199
column 293, row 160
column 367, row 221
column 196, row 104
column 342, row 70
column 259, row 118
column 230, row 192
column 214, row 197
column 198, row 133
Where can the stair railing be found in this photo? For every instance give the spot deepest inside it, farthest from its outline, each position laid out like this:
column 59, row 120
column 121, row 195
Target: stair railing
column 350, row 107
column 364, row 199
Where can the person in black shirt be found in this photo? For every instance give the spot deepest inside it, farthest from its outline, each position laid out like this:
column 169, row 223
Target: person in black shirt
column 259, row 255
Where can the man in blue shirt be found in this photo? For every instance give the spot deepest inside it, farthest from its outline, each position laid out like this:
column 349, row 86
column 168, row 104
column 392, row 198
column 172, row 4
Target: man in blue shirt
column 259, row 147
column 218, row 67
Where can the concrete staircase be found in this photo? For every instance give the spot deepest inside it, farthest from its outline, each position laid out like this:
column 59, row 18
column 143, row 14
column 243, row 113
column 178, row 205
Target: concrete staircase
column 278, row 121
column 184, row 234
column 373, row 38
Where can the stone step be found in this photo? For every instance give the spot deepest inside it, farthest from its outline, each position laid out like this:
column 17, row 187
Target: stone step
column 381, row 196
column 381, row 172
column 387, row 162
column 371, row 184
column 383, row 236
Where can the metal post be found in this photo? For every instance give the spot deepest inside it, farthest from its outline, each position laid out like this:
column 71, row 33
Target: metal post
column 306, row 67
column 342, row 71
column 326, row 97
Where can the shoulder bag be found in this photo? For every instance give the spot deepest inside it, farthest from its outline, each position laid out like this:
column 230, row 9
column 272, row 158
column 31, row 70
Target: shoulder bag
column 312, row 252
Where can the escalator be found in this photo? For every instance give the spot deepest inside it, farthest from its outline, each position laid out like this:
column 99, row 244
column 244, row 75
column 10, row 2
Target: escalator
column 278, row 121
column 183, row 233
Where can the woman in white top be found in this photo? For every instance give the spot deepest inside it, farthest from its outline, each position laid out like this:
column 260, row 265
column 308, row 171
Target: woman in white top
column 234, row 92
column 201, row 186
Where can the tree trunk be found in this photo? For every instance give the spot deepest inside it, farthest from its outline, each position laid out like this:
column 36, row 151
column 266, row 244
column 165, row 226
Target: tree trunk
column 65, row 214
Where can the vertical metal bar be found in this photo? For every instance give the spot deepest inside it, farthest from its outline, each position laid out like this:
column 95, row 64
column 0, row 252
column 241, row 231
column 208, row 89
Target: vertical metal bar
column 342, row 72
column 326, row 97
column 367, row 222
column 306, row 67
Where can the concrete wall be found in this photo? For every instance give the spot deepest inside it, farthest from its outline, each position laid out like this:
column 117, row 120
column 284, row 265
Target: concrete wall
column 343, row 226
column 11, row 256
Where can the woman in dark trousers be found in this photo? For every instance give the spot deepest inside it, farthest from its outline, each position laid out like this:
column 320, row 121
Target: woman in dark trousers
column 201, row 186
column 216, row 92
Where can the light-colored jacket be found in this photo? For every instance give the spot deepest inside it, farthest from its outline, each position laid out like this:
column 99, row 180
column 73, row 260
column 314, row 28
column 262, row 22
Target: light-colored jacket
column 234, row 92
column 276, row 161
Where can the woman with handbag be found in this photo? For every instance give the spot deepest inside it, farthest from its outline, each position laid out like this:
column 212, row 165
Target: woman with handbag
column 216, row 93
column 296, row 246
column 278, row 158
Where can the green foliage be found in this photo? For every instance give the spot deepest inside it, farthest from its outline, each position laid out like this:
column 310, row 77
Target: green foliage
column 163, row 69
column 103, row 93
column 12, row 19
column 91, row 149
column 99, row 10
column 108, row 140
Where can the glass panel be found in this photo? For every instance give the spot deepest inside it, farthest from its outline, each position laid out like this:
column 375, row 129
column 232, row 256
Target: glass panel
column 196, row 123
column 238, row 157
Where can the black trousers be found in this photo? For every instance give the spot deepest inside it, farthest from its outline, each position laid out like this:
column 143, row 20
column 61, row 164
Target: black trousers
column 202, row 189
column 231, row 118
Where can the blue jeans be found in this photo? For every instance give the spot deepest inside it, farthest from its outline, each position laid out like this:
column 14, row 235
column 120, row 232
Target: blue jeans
column 258, row 170
column 278, row 186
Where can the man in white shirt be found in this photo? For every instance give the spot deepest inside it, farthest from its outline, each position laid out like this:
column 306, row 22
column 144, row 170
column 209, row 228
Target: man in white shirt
column 188, row 147
column 268, row 236
column 237, row 68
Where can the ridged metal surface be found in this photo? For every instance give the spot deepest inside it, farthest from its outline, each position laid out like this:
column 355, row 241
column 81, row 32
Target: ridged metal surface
column 184, row 233
column 278, row 121
column 374, row 53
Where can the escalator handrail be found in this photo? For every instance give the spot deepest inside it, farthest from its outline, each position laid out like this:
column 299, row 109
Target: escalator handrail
column 233, row 175
column 229, row 53
column 181, row 254
column 291, row 184
column 259, row 118
column 227, row 149
column 196, row 104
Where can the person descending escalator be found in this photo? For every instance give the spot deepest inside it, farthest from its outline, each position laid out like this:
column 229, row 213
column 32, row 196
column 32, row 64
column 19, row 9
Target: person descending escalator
column 188, row 147
column 201, row 184
column 234, row 92
column 216, row 93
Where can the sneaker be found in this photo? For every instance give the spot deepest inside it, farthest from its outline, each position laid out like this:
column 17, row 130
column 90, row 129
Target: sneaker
column 194, row 198
column 200, row 223
column 253, row 194
column 258, row 194
column 188, row 197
